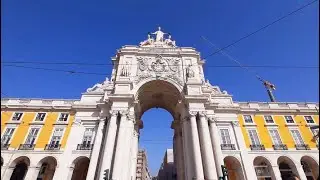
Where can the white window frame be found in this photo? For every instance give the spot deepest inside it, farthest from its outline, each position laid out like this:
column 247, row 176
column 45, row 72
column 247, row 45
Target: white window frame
column 14, row 132
column 251, row 143
column 92, row 137
column 44, row 118
column 314, row 122
column 58, row 127
column 294, row 122
column 296, row 129
column 313, row 134
column 11, row 119
column 36, row 139
column 58, row 120
column 265, row 120
column 244, row 119
column 275, row 129
column 220, row 133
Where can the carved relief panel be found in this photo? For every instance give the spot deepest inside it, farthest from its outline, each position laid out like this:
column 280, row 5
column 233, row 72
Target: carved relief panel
column 165, row 67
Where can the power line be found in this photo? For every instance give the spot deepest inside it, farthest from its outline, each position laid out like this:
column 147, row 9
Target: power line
column 8, row 63
column 234, row 60
column 262, row 28
column 59, row 70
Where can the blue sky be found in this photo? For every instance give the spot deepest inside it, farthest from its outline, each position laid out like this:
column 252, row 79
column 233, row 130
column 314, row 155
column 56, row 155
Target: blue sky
column 91, row 31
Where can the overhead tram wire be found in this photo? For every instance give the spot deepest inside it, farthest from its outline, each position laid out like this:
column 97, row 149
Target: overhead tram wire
column 9, row 63
column 262, row 28
column 268, row 85
column 233, row 59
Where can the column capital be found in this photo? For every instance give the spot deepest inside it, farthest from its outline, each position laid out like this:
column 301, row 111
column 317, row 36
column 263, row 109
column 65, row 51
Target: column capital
column 130, row 116
column 113, row 112
column 124, row 112
column 193, row 113
column 203, row 113
column 212, row 118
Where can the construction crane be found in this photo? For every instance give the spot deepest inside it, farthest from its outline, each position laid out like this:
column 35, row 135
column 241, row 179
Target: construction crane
column 270, row 88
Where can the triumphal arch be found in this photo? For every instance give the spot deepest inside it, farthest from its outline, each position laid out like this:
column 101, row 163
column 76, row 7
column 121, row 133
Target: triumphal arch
column 157, row 73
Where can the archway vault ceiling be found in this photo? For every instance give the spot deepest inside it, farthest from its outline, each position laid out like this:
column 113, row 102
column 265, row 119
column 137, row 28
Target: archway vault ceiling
column 159, row 94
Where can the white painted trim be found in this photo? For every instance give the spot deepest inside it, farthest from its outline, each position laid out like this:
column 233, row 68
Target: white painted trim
column 56, row 127
column 13, row 134
column 33, row 126
column 23, row 113
column 314, row 122
column 246, row 123
column 63, row 122
column 44, row 119
column 258, row 134
column 277, row 129
column 296, row 128
column 269, row 124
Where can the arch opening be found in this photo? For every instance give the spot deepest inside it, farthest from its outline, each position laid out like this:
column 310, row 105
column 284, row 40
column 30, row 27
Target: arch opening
column 287, row 167
column 310, row 167
column 47, row 168
column 156, row 144
column 263, row 168
column 20, row 165
column 158, row 94
column 234, row 168
column 81, row 165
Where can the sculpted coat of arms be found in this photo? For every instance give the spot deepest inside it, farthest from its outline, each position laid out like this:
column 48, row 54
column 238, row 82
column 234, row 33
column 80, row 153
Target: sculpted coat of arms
column 158, row 66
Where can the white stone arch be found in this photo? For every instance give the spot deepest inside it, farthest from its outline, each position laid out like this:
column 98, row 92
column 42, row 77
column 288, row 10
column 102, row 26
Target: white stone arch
column 147, row 80
column 25, row 159
column 22, row 163
column 282, row 160
column 79, row 166
column 47, row 167
column 234, row 166
column 310, row 166
column 170, row 91
column 43, row 159
column 263, row 171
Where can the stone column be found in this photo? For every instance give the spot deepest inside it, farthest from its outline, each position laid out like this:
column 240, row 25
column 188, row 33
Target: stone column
column 128, row 147
column 276, row 171
column 206, row 148
column 8, row 173
column 93, row 165
column 70, row 173
column 121, row 161
column 248, row 169
column 187, row 151
column 32, row 173
column 135, row 147
column 196, row 153
column 214, row 133
column 178, row 158
column 109, row 141
column 301, row 172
